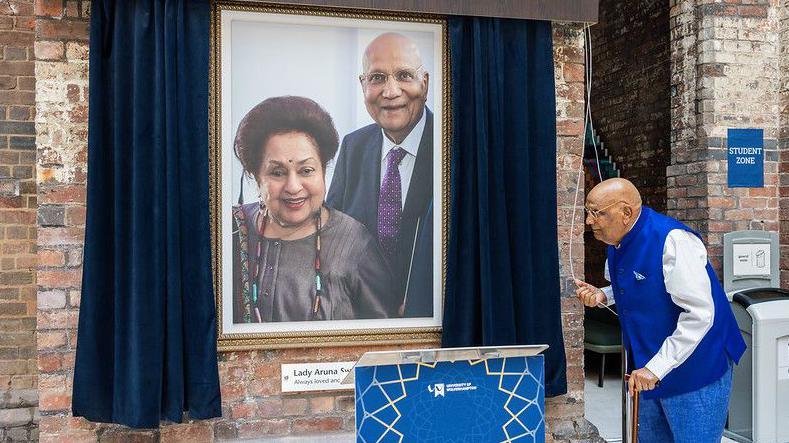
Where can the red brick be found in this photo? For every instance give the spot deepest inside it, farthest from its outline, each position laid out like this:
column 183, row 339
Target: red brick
column 57, row 319
column 753, row 11
column 49, row 402
column 756, row 203
column 48, row 50
column 81, row 423
column 25, row 24
column 294, row 406
column 232, row 391
column 72, row 9
column 61, row 236
column 16, row 278
column 16, row 68
column 573, row 72
column 59, row 279
column 569, row 127
column 61, row 29
column 52, row 424
column 71, row 437
column 15, row 38
column 75, row 216
column 7, row 82
column 49, row 8
column 190, row 432
column 244, row 410
column 12, row 309
column 63, row 194
column 321, row 405
column 126, row 435
column 225, row 430
column 270, row 407
column 11, row 202
column 317, row 425
column 50, row 362
column 762, row 192
column 259, row 428
column 18, row 97
column 264, row 387
column 78, row 114
column 48, row 257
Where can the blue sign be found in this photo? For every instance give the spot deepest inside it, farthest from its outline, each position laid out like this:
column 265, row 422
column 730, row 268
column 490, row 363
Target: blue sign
column 490, row 400
column 746, row 158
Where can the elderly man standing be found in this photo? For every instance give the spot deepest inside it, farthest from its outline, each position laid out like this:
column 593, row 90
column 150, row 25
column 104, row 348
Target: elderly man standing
column 383, row 176
column 677, row 326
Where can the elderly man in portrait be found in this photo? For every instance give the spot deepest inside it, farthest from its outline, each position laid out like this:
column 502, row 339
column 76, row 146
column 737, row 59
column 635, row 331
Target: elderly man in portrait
column 383, row 176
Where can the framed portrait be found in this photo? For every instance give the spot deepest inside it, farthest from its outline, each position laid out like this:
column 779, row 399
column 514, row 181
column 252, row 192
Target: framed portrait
column 329, row 176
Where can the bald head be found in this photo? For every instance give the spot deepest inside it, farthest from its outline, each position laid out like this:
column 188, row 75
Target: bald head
column 394, row 84
column 615, row 189
column 392, row 46
column 612, row 206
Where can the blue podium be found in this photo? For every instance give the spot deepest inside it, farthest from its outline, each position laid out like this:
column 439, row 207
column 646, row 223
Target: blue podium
column 486, row 394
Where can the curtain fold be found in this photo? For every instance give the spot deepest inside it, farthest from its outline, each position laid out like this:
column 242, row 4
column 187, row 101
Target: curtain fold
column 502, row 284
column 147, row 327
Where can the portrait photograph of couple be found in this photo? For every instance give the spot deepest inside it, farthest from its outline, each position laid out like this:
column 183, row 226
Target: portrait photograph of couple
column 329, row 182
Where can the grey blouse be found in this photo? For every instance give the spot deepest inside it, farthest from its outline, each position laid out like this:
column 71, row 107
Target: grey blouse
column 356, row 281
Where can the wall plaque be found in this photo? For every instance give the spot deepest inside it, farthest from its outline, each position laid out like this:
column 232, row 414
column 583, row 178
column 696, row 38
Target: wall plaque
column 305, row 377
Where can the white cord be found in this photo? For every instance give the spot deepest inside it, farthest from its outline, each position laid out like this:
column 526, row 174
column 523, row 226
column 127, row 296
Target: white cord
column 588, row 113
column 587, row 120
column 590, row 125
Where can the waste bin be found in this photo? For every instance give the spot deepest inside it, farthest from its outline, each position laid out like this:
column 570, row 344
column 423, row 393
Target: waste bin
column 759, row 404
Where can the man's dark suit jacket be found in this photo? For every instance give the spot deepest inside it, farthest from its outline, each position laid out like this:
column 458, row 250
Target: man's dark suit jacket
column 354, row 190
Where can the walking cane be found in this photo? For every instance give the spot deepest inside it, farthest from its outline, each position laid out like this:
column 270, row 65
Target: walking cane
column 634, row 420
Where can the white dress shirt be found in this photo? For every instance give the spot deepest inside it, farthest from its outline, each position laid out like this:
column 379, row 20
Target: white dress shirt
column 411, row 147
column 687, row 282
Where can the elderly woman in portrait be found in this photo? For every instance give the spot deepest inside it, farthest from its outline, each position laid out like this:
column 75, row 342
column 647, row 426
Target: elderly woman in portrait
column 294, row 258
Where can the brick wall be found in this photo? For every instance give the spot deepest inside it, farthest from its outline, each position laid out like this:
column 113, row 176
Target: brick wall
column 566, row 413
column 783, row 143
column 252, row 402
column 18, row 380
column 61, row 49
column 629, row 100
column 725, row 74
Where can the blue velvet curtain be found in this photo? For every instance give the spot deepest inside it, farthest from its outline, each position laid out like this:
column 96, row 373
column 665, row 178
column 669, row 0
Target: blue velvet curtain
column 147, row 326
column 502, row 284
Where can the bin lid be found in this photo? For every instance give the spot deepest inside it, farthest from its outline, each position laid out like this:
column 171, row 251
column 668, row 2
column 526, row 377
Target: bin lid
column 748, row 297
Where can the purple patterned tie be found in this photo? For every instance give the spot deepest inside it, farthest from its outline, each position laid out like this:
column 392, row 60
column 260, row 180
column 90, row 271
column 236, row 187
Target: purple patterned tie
column 390, row 203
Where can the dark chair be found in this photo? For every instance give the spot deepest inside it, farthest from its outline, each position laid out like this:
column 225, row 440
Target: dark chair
column 602, row 335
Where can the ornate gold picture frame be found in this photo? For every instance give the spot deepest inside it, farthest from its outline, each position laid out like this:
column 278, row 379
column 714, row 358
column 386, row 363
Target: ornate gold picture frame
column 323, row 121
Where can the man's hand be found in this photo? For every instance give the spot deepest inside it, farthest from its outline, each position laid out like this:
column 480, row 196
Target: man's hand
column 641, row 380
column 588, row 294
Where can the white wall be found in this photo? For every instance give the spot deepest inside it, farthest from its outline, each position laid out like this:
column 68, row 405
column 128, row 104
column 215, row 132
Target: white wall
column 320, row 62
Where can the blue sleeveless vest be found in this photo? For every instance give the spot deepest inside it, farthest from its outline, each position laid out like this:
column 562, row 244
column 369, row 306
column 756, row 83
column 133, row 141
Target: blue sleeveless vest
column 648, row 315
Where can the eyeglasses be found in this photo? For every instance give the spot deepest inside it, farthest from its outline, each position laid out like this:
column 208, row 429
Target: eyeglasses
column 596, row 213
column 402, row 76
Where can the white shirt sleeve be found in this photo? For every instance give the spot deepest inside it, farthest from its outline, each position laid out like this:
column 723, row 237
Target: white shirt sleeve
column 608, row 290
column 687, row 282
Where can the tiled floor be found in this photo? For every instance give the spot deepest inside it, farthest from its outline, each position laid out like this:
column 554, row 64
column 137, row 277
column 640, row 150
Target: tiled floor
column 603, row 406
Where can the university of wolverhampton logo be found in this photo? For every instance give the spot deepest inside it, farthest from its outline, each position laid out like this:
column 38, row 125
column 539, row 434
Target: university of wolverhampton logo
column 437, row 389
column 638, row 276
